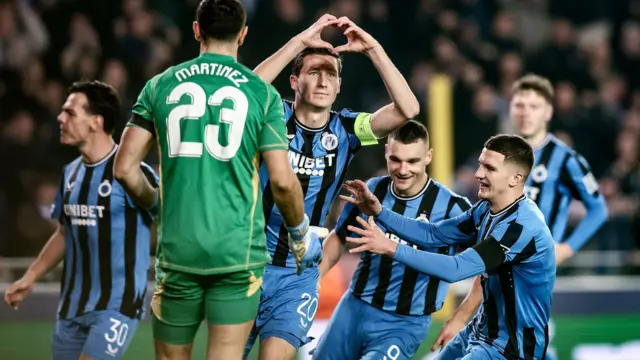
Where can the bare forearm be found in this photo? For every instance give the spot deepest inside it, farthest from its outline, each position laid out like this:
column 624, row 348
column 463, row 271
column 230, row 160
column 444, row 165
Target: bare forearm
column 471, row 302
column 404, row 101
column 289, row 200
column 138, row 187
column 269, row 69
column 331, row 253
column 50, row 256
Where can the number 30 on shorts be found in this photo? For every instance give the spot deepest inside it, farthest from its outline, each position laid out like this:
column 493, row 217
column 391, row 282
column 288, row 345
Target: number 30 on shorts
column 307, row 309
column 235, row 117
column 117, row 335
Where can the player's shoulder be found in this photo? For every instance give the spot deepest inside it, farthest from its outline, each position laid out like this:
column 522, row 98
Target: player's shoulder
column 345, row 119
column 463, row 201
column 374, row 182
column 561, row 146
column 72, row 165
column 531, row 218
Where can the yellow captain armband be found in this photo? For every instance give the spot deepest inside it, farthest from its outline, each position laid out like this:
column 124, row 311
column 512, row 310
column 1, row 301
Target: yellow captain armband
column 362, row 128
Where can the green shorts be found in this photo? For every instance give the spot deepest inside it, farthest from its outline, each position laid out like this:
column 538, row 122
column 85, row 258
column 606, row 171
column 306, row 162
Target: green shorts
column 182, row 300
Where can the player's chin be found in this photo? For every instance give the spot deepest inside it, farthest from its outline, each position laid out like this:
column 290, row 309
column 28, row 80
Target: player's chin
column 484, row 193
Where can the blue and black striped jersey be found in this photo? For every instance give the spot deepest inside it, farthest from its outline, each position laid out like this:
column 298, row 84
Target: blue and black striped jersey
column 559, row 175
column 107, row 241
column 319, row 158
column 390, row 285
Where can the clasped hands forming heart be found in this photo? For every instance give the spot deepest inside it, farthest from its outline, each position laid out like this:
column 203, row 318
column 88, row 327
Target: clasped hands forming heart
column 358, row 40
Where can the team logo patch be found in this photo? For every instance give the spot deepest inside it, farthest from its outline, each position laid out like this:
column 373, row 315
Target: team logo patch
column 105, row 188
column 329, row 141
column 539, row 173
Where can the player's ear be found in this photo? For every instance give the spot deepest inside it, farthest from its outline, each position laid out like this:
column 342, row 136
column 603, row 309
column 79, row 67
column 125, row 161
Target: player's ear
column 243, row 35
column 196, row 31
column 293, row 81
column 339, row 83
column 429, row 156
column 97, row 123
column 549, row 113
column 516, row 179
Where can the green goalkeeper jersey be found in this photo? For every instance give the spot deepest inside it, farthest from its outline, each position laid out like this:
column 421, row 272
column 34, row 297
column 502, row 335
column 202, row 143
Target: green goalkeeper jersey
column 211, row 117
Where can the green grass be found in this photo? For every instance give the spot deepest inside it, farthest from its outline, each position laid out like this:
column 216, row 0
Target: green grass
column 32, row 341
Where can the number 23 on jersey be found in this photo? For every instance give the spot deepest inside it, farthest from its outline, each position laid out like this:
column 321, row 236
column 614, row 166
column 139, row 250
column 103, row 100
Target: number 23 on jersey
column 235, row 117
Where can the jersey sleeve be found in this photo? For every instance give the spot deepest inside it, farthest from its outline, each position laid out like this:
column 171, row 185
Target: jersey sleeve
column 143, row 108
column 584, row 187
column 56, row 207
column 358, row 126
column 273, row 135
column 508, row 242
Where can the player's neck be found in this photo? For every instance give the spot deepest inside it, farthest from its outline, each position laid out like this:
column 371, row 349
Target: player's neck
column 415, row 189
column 96, row 148
column 503, row 202
column 219, row 48
column 537, row 140
column 311, row 116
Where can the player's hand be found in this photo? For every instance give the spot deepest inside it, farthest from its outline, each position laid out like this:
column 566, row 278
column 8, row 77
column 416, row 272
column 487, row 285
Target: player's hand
column 17, row 292
column 371, row 238
column 311, row 37
column 308, row 250
column 450, row 329
column 358, row 40
column 362, row 198
column 563, row 252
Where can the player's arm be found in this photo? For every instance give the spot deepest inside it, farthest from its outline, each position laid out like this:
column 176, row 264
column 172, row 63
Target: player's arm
column 335, row 244
column 584, row 187
column 274, row 149
column 136, row 141
column 134, row 147
column 457, row 230
column 505, row 242
column 404, row 104
column 269, row 69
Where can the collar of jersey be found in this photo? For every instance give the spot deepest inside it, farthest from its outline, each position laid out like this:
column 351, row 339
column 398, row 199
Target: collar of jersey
column 408, row 198
column 100, row 162
column 310, row 129
column 210, row 54
column 544, row 142
column 522, row 197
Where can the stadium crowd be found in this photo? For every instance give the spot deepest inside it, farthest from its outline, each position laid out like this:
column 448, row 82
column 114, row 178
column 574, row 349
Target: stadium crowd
column 590, row 49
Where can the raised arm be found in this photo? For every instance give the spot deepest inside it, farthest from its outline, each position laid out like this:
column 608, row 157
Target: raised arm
column 269, row 69
column 404, row 104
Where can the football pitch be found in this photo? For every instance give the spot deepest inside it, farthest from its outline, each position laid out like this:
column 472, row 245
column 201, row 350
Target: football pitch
column 31, row 341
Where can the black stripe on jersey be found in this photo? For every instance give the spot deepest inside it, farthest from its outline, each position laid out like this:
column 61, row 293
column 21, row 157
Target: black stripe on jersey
column 350, row 220
column 546, row 342
column 64, row 309
column 490, row 252
column 127, row 307
column 528, row 342
column 83, row 242
column 410, row 275
column 453, row 201
column 505, row 273
column 363, row 276
column 282, row 248
column 386, row 265
column 348, row 124
column 526, row 253
column 490, row 310
column 432, row 288
column 104, row 240
column 327, row 179
column 544, row 161
column 512, row 234
column 557, row 196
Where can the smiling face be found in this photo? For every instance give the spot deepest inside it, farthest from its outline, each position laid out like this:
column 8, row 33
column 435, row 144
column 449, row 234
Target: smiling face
column 406, row 164
column 318, row 81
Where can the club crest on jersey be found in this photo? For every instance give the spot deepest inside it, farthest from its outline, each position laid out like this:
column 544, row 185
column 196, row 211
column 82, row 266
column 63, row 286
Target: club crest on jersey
column 329, row 141
column 539, row 173
column 105, row 188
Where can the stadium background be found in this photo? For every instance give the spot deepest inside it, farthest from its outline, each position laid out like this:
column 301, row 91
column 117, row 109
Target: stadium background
column 459, row 56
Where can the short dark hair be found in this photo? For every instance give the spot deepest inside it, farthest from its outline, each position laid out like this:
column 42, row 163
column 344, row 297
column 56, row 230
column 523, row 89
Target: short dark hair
column 410, row 132
column 298, row 61
column 514, row 148
column 102, row 99
column 541, row 85
column 220, row 19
